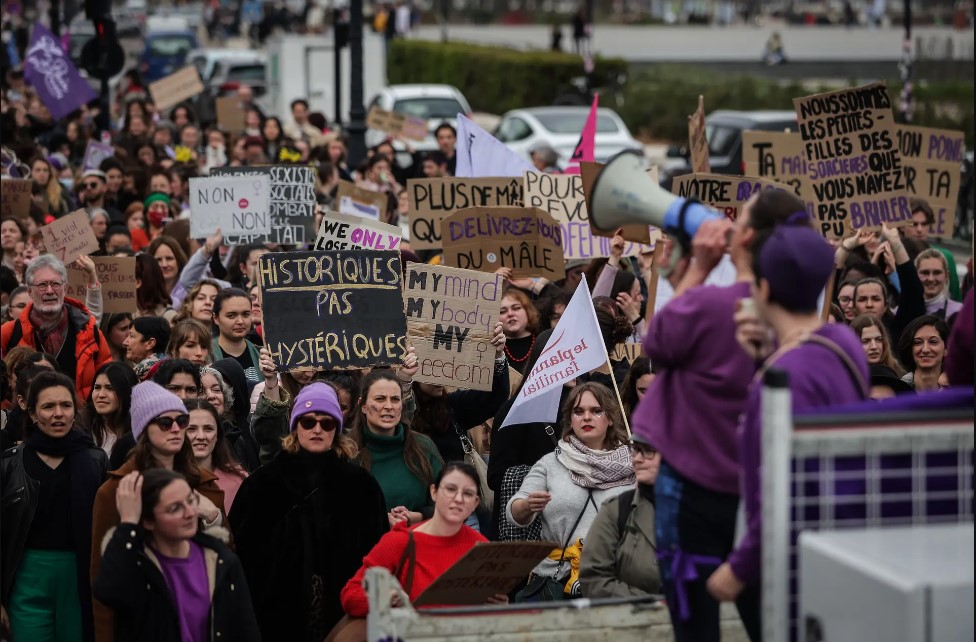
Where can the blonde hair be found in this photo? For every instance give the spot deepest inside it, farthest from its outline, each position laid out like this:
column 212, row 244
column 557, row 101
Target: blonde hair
column 344, row 446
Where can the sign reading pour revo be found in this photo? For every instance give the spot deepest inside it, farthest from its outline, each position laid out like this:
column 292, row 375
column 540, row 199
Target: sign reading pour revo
column 333, row 309
column 525, row 239
column 236, row 205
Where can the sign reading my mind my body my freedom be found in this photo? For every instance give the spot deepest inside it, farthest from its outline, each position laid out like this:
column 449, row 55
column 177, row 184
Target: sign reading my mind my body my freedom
column 333, row 309
column 855, row 168
column 451, row 314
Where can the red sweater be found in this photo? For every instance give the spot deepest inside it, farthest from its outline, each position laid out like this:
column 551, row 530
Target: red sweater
column 434, row 556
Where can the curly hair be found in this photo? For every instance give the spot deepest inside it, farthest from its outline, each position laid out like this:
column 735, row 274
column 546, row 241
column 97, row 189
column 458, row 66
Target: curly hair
column 616, row 431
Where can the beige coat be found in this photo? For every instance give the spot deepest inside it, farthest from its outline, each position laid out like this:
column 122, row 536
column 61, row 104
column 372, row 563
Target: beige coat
column 619, row 564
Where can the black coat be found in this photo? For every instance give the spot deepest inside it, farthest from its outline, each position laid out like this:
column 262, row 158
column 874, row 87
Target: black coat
column 302, row 525
column 131, row 582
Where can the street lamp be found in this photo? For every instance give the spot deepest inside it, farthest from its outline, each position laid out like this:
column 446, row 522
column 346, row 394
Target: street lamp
column 357, row 108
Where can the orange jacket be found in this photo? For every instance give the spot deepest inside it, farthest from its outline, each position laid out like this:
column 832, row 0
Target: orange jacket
column 91, row 348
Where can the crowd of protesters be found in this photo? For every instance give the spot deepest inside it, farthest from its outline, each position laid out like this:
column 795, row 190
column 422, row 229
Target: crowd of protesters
column 162, row 481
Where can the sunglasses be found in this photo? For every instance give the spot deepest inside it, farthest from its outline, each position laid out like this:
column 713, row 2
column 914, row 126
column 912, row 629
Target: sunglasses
column 91, row 185
column 309, row 423
column 166, row 423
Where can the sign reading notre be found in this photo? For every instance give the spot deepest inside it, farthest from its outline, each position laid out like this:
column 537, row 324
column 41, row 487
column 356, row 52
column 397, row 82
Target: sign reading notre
column 451, row 314
column 340, row 309
column 725, row 193
column 855, row 168
column 932, row 159
column 431, row 199
column 525, row 239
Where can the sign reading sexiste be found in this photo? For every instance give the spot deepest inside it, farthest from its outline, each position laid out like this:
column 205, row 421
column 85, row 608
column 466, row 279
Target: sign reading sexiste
column 451, row 314
column 333, row 309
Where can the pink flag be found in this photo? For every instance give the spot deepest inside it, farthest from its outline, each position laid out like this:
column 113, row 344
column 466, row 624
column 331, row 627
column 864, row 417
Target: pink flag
column 586, row 146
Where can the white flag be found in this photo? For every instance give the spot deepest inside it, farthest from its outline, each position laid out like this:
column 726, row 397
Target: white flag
column 479, row 154
column 574, row 348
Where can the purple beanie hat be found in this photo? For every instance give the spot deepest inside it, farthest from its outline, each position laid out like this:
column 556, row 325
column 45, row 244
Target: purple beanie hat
column 316, row 397
column 150, row 400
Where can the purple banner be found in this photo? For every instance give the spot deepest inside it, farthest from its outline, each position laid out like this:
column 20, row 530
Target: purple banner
column 52, row 74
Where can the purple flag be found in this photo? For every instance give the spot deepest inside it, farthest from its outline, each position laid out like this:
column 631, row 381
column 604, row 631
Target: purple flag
column 52, row 74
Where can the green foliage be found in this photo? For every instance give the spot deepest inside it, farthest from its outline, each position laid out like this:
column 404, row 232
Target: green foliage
column 494, row 79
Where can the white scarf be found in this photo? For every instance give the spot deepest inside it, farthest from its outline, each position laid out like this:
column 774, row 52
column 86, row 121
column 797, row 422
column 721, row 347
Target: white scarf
column 590, row 468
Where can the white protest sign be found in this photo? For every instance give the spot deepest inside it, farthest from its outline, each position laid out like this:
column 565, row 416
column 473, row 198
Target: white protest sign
column 350, row 207
column 237, row 205
column 343, row 232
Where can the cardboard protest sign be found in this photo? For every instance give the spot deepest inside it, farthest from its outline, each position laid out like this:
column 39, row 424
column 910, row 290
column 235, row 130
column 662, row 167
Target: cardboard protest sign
column 292, row 204
column 697, row 140
column 342, row 232
column 175, row 88
column 236, row 205
column 431, row 199
column 117, row 276
column 488, row 569
column 70, row 236
column 725, row 193
column 561, row 195
column 629, row 351
column 855, row 168
column 525, row 239
column 451, row 314
column 397, row 124
column 636, row 233
column 15, row 196
column 779, row 156
column 230, row 113
column 95, row 153
column 332, row 309
column 356, row 201
column 932, row 159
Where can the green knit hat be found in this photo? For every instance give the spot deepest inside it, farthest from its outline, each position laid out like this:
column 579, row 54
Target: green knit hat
column 156, row 197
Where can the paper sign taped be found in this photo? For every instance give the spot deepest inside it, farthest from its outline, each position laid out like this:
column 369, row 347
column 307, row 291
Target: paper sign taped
column 175, row 88
column 69, row 237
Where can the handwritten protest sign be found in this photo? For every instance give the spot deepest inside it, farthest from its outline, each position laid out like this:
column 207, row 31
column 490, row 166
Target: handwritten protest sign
column 697, row 141
column 451, row 314
column 230, row 113
column 629, row 351
column 70, row 236
column 932, row 159
column 333, row 309
column 117, row 276
column 343, row 232
column 725, row 193
column 292, row 204
column 855, row 168
column 95, row 153
column 644, row 234
column 397, row 124
column 490, row 568
column 236, row 205
column 356, row 201
column 431, row 199
column 561, row 195
column 175, row 88
column 525, row 239
column 15, row 196
column 779, row 156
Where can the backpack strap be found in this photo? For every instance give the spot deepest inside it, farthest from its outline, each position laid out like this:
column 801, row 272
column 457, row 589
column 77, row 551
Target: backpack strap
column 852, row 370
column 408, row 560
column 626, row 499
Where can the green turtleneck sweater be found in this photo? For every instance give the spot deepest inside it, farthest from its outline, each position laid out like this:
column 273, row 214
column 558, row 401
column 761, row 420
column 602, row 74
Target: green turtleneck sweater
column 400, row 486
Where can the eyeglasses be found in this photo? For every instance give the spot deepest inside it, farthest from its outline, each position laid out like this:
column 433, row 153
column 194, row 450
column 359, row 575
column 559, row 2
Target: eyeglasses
column 467, row 494
column 844, row 300
column 191, row 391
column 44, row 285
column 643, row 450
column 166, row 423
column 596, row 412
column 309, row 422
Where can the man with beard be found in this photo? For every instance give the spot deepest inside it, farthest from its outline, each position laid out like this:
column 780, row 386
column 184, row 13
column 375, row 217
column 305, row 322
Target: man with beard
column 94, row 193
column 57, row 325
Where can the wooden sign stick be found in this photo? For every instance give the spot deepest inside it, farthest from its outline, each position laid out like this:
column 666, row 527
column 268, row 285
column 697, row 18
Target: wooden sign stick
column 652, row 282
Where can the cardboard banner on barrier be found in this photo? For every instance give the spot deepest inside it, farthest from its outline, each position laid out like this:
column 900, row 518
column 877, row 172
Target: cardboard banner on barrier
column 342, row 232
column 332, row 309
column 525, row 239
column 451, row 315
column 432, row 199
column 854, row 165
column 175, row 88
column 70, row 236
column 727, row 194
column 292, row 204
column 236, row 205
column 117, row 276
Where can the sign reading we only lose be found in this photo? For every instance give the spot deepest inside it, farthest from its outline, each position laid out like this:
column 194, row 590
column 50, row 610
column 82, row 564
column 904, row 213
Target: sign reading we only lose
column 334, row 309
column 451, row 314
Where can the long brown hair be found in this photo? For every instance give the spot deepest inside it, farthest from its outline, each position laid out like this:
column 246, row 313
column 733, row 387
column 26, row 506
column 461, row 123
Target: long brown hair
column 186, row 306
column 221, row 457
column 616, row 433
column 415, row 454
column 863, row 321
column 184, row 462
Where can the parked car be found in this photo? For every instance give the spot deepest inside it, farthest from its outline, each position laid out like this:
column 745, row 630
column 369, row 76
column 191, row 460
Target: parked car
column 435, row 103
column 224, row 73
column 560, row 127
column 165, row 53
column 724, row 131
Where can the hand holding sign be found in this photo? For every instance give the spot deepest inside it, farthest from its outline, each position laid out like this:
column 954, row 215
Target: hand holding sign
column 213, row 242
column 410, row 366
column 85, row 263
column 498, row 339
